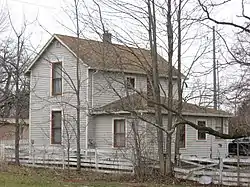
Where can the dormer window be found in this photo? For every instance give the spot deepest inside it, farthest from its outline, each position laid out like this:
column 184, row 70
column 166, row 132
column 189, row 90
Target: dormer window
column 57, row 78
column 130, row 81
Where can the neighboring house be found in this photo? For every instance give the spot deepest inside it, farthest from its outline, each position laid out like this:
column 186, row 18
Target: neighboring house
column 7, row 130
column 108, row 73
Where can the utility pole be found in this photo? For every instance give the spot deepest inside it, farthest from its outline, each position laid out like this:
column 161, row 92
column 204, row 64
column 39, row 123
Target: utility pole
column 214, row 71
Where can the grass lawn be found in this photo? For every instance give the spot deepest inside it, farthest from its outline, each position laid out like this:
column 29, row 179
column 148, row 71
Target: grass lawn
column 28, row 177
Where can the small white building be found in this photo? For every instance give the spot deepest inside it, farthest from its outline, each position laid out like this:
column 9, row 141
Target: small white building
column 108, row 73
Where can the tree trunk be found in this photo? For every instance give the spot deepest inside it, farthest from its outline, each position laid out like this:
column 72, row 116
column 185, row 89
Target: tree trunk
column 17, row 98
column 138, row 164
column 170, row 89
column 177, row 137
column 156, row 88
column 78, row 82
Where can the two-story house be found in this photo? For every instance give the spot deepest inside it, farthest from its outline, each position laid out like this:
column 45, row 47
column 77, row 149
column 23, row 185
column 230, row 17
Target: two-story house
column 114, row 80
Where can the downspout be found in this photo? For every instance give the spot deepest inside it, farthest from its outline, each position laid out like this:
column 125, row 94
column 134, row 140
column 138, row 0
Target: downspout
column 87, row 112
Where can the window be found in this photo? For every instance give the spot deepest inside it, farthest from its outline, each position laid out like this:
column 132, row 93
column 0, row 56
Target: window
column 130, row 82
column 119, row 133
column 182, row 136
column 219, row 127
column 56, row 127
column 57, row 78
column 201, row 134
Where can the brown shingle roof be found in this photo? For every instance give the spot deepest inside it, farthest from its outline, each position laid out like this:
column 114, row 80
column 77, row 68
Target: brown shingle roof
column 138, row 102
column 114, row 57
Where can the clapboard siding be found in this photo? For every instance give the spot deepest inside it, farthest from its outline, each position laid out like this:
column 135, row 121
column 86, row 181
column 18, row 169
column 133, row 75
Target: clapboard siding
column 194, row 147
column 109, row 86
column 104, row 132
column 42, row 103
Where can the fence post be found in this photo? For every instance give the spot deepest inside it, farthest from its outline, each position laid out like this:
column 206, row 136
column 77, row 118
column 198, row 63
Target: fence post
column 2, row 147
column 63, row 159
column 96, row 159
column 33, row 154
column 221, row 170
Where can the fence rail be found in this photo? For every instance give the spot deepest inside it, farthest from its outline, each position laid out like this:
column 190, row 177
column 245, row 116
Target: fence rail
column 59, row 157
column 225, row 171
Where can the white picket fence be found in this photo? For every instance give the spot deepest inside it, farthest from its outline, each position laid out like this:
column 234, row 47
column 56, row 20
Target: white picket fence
column 58, row 157
column 225, row 171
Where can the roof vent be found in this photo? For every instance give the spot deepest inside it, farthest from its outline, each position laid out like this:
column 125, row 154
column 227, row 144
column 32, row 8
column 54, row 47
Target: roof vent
column 106, row 37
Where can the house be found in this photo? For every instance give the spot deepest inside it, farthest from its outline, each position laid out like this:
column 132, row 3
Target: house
column 7, row 130
column 114, row 79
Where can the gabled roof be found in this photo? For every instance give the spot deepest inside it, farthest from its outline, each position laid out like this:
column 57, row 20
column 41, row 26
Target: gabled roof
column 137, row 102
column 110, row 57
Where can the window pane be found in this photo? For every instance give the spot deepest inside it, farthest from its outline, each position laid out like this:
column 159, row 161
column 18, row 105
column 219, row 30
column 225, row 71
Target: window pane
column 119, row 133
column 119, row 126
column 57, row 86
column 182, row 136
column 119, row 140
column 57, row 136
column 130, row 82
column 56, row 127
column 57, row 119
column 201, row 134
column 57, row 70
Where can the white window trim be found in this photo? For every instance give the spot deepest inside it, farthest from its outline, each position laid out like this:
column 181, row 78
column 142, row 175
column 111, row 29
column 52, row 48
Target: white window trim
column 51, row 74
column 113, row 133
column 131, row 76
column 184, row 148
column 50, row 122
column 198, row 131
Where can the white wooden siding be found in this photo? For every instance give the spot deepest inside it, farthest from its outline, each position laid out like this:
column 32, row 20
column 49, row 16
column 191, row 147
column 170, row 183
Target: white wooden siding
column 108, row 86
column 148, row 133
column 41, row 101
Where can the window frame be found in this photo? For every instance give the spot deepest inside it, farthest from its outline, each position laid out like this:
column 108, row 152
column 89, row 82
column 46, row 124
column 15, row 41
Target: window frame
column 51, row 128
column 113, row 133
column 197, row 131
column 129, row 87
column 52, row 77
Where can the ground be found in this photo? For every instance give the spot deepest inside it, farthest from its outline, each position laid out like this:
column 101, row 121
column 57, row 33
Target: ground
column 13, row 176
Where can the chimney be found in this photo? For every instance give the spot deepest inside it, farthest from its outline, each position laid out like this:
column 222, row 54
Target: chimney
column 106, row 37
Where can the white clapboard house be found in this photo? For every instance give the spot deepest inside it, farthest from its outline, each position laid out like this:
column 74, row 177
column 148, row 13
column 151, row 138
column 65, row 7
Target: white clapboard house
column 113, row 82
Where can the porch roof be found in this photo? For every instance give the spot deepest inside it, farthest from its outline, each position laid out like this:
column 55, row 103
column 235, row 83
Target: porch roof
column 138, row 102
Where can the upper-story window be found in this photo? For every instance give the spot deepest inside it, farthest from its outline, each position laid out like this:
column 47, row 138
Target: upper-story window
column 130, row 81
column 57, row 78
column 219, row 127
column 201, row 133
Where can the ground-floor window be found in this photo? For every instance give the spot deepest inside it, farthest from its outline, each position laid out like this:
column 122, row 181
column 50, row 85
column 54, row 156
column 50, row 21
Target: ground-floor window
column 182, row 136
column 119, row 133
column 56, row 127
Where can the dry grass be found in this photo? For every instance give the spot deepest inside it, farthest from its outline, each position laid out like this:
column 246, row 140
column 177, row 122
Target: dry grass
column 18, row 176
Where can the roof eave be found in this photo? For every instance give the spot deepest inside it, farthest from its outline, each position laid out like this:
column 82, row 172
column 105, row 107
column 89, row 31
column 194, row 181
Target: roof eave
column 146, row 111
